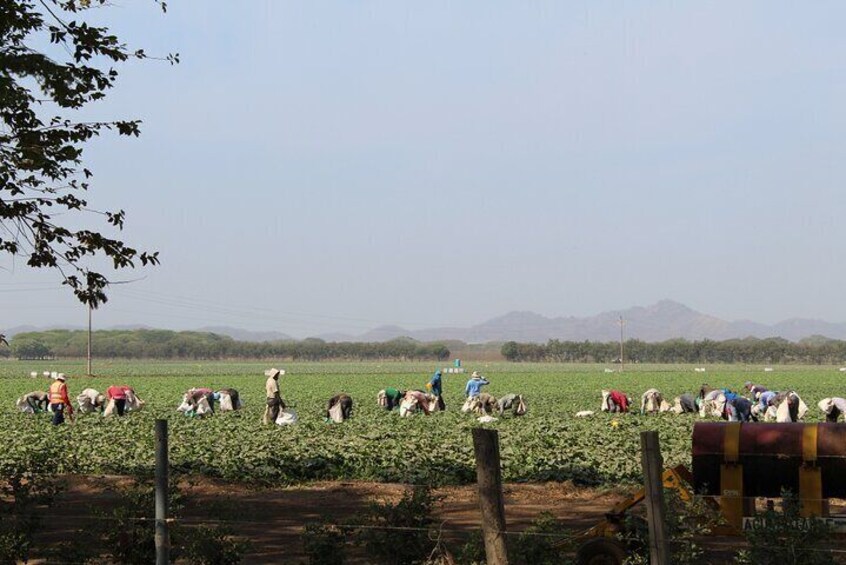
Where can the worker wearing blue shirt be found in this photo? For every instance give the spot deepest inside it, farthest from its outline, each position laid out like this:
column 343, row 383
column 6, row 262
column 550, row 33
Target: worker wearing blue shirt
column 475, row 384
column 435, row 386
column 764, row 400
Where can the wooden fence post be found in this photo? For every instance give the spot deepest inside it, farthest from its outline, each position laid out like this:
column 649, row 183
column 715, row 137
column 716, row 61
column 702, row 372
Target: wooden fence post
column 489, row 479
column 653, row 470
column 162, row 472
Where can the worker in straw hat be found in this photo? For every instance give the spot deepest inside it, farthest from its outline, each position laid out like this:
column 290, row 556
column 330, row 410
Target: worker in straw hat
column 59, row 401
column 274, row 398
column 475, row 384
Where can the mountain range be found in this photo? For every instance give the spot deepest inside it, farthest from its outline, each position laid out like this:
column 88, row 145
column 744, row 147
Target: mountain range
column 661, row 321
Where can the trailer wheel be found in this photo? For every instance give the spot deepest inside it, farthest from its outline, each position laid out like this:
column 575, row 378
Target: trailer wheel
column 601, row 551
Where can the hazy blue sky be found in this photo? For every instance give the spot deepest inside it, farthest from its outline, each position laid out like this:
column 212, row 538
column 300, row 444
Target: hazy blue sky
column 317, row 166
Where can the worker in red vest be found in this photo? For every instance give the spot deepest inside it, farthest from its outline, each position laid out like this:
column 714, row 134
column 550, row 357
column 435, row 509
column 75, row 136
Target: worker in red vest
column 59, row 401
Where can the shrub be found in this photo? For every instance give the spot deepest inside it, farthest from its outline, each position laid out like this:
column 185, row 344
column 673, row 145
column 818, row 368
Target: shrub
column 24, row 488
column 399, row 534
column 324, row 544
column 539, row 544
column 786, row 538
column 686, row 521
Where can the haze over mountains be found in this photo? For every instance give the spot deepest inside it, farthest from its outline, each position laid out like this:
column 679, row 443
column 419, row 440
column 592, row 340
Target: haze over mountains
column 661, row 321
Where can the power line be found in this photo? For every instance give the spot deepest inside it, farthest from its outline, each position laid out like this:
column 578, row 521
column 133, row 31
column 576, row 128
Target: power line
column 262, row 314
column 204, row 302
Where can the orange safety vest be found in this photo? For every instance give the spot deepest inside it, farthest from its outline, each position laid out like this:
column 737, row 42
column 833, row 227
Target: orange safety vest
column 56, row 392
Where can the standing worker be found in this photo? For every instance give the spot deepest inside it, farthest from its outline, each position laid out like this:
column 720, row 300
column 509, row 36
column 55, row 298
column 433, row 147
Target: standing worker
column 435, row 386
column 274, row 398
column 59, row 401
column 475, row 384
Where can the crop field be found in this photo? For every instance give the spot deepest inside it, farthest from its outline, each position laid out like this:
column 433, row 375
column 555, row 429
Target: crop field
column 545, row 444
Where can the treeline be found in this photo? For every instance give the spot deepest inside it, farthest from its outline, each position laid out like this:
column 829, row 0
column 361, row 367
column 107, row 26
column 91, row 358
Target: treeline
column 165, row 344
column 813, row 350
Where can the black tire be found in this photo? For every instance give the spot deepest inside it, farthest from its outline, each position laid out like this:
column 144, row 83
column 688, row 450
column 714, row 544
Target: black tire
column 601, row 551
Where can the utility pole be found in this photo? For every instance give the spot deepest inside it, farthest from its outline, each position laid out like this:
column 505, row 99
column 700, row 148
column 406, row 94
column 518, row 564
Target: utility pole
column 622, row 323
column 90, row 308
column 89, row 340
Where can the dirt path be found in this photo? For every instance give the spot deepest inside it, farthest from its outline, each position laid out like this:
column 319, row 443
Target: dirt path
column 273, row 519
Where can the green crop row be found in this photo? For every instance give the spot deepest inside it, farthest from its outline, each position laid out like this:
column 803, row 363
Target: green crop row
column 548, row 443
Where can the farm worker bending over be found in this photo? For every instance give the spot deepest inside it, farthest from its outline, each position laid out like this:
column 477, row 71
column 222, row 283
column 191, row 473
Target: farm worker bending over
column 737, row 409
column 684, row 404
column 704, row 391
column 390, row 398
column 195, row 394
column 789, row 407
column 118, row 394
column 651, row 401
column 764, row 400
column 233, row 402
column 421, row 398
column 339, row 408
column 512, row 402
column 614, row 401
column 274, row 399
column 124, row 399
column 33, row 402
column 475, row 384
column 754, row 389
column 833, row 408
column 89, row 400
column 485, row 404
column 435, row 386
column 59, row 401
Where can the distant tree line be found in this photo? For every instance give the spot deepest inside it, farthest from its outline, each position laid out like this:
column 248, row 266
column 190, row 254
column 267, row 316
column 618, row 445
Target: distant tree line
column 812, row 350
column 165, row 344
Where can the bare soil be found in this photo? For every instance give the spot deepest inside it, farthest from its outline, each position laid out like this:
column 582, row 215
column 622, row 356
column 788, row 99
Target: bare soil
column 272, row 519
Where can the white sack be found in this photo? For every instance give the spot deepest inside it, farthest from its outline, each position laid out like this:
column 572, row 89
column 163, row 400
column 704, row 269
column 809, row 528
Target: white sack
column 408, row 406
column 605, row 403
column 226, row 402
column 203, row 407
column 286, row 418
column 87, row 400
column 336, row 413
column 24, row 406
column 185, row 406
column 133, row 403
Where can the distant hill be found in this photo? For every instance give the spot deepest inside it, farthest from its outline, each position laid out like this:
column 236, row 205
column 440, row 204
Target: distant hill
column 658, row 322
column 663, row 320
